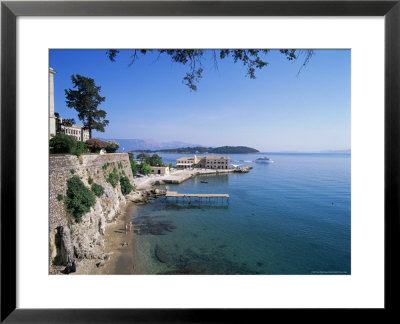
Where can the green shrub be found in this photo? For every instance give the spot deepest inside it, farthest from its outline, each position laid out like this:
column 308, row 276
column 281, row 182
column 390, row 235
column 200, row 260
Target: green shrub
column 133, row 166
column 155, row 160
column 126, row 186
column 80, row 148
column 72, row 171
column 112, row 146
column 113, row 178
column 144, row 168
column 90, row 180
column 60, row 197
column 79, row 198
column 62, row 143
column 97, row 189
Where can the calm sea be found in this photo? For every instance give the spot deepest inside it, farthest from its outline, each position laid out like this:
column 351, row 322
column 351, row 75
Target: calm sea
column 288, row 217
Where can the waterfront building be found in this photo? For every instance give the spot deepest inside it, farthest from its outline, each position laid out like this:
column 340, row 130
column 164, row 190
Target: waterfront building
column 205, row 162
column 187, row 162
column 160, row 170
column 217, row 162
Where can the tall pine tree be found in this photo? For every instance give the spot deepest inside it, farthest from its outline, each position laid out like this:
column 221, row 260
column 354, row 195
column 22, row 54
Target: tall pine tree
column 85, row 100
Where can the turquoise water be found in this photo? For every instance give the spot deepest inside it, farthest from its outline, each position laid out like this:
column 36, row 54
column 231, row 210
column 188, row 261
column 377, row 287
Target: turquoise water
column 288, row 217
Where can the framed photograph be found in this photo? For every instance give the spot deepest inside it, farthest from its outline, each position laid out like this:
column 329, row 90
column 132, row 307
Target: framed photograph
column 196, row 160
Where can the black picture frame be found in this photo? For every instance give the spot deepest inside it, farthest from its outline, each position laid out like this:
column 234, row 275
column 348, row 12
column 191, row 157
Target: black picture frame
column 10, row 10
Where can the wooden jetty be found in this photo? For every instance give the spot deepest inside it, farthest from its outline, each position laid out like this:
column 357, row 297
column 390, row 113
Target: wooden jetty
column 190, row 197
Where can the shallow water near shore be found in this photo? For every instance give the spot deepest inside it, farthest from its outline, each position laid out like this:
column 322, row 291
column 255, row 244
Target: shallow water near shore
column 288, row 217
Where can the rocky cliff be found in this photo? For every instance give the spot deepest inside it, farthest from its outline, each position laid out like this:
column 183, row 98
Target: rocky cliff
column 69, row 240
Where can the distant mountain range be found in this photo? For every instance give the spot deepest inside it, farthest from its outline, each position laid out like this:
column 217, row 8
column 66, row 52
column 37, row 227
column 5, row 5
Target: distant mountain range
column 203, row 150
column 126, row 145
column 150, row 145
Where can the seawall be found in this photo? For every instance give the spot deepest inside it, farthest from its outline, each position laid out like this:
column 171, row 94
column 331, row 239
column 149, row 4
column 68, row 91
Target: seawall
column 69, row 240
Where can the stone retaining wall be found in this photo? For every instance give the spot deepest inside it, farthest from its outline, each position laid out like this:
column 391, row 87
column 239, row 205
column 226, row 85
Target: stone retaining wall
column 67, row 239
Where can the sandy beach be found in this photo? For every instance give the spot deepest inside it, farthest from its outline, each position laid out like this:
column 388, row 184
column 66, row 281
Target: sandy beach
column 119, row 244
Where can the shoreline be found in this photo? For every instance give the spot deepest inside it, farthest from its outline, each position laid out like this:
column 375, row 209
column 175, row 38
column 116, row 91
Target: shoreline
column 118, row 244
column 122, row 246
column 178, row 176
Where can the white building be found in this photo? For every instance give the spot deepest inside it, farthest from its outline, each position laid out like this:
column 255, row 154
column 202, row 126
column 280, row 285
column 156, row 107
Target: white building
column 75, row 130
column 187, row 162
column 160, row 170
column 207, row 162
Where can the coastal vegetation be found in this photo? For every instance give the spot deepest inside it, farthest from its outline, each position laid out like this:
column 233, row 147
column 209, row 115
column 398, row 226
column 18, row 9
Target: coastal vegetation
column 126, row 186
column 97, row 189
column 85, row 100
column 65, row 144
column 133, row 164
column 78, row 199
column 113, row 178
column 200, row 150
column 146, row 162
column 112, row 146
column 144, row 168
column 155, row 160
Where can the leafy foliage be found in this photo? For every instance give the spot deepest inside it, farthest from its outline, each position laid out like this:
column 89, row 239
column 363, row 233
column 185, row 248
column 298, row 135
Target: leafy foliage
column 67, row 122
column 113, row 178
column 144, row 168
column 80, row 148
column 126, row 186
column 133, row 163
column 112, row 146
column 142, row 156
column 62, row 143
column 79, row 198
column 155, row 160
column 97, row 189
column 95, row 145
column 85, row 100
column 252, row 59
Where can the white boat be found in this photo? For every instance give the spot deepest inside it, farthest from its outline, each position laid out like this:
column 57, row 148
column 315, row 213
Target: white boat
column 264, row 160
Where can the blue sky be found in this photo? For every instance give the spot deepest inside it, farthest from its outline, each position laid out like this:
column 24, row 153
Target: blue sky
column 278, row 111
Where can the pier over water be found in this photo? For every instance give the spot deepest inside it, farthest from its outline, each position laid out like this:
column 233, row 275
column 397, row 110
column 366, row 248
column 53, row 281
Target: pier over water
column 200, row 198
